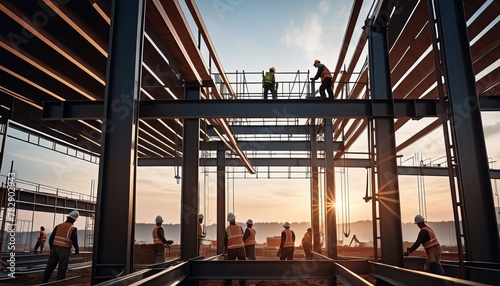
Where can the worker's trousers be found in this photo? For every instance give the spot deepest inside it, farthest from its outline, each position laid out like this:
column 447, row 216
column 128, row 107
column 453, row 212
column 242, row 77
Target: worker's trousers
column 58, row 254
column 250, row 252
column 233, row 254
column 433, row 261
column 287, row 253
column 307, row 250
column 160, row 253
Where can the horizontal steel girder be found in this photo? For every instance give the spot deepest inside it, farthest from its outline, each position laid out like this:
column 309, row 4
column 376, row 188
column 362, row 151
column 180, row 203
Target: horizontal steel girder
column 264, row 129
column 272, row 145
column 305, row 162
column 151, row 109
column 262, row 269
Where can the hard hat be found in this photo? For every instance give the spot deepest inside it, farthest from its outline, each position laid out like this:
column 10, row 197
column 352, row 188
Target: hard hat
column 231, row 217
column 74, row 215
column 249, row 221
column 158, row 219
column 200, row 216
column 316, row 62
column 273, row 69
column 419, row 218
column 286, row 224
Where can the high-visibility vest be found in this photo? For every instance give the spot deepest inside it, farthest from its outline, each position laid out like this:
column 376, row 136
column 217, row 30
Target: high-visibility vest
column 325, row 73
column 234, row 237
column 433, row 239
column 63, row 235
column 306, row 238
column 156, row 239
column 268, row 77
column 42, row 236
column 250, row 239
column 200, row 231
column 288, row 238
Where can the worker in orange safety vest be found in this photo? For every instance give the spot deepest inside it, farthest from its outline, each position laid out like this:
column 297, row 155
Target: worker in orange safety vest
column 249, row 240
column 287, row 245
column 40, row 242
column 326, row 79
column 201, row 234
column 307, row 243
column 159, row 240
column 233, row 243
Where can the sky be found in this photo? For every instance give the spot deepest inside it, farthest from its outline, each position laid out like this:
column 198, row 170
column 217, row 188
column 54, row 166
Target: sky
column 253, row 36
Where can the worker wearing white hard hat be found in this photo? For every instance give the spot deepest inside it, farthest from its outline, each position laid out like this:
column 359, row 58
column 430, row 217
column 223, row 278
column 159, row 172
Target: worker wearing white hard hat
column 61, row 239
column 427, row 238
column 201, row 233
column 159, row 241
column 269, row 83
column 233, row 243
column 287, row 244
column 249, row 240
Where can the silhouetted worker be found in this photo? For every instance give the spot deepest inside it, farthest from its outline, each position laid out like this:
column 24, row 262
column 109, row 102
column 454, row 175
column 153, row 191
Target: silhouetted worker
column 307, row 243
column 249, row 240
column 62, row 237
column 269, row 83
column 40, row 242
column 159, row 241
column 429, row 241
column 326, row 79
column 287, row 245
column 201, row 234
column 233, row 243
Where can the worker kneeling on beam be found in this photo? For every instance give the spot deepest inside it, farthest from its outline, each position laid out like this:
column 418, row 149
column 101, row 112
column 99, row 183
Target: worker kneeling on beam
column 287, row 244
column 233, row 243
column 62, row 237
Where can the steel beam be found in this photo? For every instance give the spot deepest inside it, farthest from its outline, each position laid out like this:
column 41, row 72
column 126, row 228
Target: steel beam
column 330, row 202
column 273, row 145
column 221, row 196
column 261, row 269
column 314, row 188
column 265, row 129
column 388, row 189
column 115, row 214
column 482, row 239
column 293, row 108
column 190, row 181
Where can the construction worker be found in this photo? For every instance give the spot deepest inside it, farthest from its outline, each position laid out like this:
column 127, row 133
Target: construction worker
column 326, row 79
column 287, row 245
column 307, row 243
column 201, row 234
column 429, row 241
column 233, row 243
column 249, row 240
column 269, row 83
column 40, row 242
column 62, row 237
column 159, row 240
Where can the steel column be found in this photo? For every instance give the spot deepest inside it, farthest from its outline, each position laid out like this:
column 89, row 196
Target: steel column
column 387, row 173
column 114, row 229
column 190, row 196
column 221, row 196
column 482, row 239
column 314, row 188
column 330, row 208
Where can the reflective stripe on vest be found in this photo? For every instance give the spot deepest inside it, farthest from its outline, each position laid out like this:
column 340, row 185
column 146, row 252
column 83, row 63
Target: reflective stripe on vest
column 268, row 77
column 288, row 238
column 306, row 238
column 43, row 236
column 63, row 235
column 325, row 73
column 251, row 239
column 433, row 239
column 234, row 237
column 156, row 239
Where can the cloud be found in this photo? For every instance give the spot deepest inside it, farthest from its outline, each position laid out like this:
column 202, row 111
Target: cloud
column 306, row 37
column 324, row 6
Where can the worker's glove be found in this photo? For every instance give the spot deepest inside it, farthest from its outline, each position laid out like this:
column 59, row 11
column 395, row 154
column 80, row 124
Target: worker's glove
column 407, row 253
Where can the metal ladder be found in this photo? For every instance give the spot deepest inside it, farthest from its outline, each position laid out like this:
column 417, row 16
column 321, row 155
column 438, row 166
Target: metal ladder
column 458, row 211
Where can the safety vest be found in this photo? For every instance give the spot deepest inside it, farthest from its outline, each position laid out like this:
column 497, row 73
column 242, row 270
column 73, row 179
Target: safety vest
column 42, row 236
column 251, row 239
column 234, row 237
column 63, row 235
column 156, row 239
column 200, row 231
column 288, row 238
column 433, row 239
column 325, row 73
column 268, row 77
column 306, row 238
